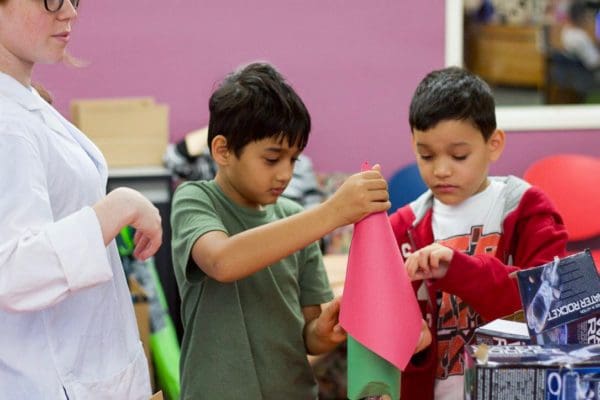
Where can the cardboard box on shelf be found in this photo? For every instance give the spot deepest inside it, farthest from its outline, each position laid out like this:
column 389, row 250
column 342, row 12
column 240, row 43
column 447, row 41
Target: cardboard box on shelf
column 130, row 132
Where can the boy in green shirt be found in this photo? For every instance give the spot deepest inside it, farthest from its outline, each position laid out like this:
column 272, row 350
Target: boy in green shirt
column 247, row 262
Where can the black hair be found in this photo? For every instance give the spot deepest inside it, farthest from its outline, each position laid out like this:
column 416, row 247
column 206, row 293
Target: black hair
column 453, row 93
column 577, row 12
column 254, row 103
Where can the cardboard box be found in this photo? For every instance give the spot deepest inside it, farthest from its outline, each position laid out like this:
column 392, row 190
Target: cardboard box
column 561, row 372
column 561, row 300
column 501, row 332
column 130, row 132
column 157, row 396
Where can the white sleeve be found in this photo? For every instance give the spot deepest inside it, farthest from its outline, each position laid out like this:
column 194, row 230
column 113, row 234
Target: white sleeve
column 41, row 260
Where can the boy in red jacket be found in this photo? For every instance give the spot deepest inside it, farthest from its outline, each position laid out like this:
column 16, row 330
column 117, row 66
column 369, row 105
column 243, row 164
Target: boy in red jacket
column 464, row 237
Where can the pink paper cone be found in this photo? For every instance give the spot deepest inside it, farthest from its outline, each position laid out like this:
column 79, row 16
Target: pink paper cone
column 379, row 308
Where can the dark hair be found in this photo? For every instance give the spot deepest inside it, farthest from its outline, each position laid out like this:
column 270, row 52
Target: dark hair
column 254, row 103
column 577, row 12
column 453, row 93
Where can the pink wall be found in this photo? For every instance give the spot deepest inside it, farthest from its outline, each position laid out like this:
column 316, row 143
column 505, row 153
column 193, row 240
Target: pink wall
column 355, row 64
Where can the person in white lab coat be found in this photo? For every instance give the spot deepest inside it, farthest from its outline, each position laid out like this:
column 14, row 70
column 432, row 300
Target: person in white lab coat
column 67, row 326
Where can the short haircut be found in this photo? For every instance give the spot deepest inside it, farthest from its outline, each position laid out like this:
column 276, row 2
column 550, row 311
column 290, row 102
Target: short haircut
column 253, row 103
column 577, row 12
column 453, row 93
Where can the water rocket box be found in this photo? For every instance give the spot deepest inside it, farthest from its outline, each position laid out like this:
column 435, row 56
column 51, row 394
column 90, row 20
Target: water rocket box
column 556, row 372
column 561, row 299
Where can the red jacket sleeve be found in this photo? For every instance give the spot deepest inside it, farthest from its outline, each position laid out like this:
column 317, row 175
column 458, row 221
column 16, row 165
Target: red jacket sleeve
column 533, row 234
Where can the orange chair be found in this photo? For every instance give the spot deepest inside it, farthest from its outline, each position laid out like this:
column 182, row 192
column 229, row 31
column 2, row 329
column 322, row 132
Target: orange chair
column 573, row 183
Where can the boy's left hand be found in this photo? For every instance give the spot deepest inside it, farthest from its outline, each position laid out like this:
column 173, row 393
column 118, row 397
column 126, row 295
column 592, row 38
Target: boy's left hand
column 429, row 262
column 328, row 325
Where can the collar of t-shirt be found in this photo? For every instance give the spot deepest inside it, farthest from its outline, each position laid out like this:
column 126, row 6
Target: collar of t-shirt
column 483, row 209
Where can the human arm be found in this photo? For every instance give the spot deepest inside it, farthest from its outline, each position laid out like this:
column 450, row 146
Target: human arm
column 124, row 206
column 485, row 282
column 228, row 258
column 51, row 243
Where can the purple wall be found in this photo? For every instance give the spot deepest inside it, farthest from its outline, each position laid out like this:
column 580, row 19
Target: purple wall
column 355, row 64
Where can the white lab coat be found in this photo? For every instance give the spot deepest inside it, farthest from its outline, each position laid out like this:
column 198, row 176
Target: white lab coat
column 67, row 326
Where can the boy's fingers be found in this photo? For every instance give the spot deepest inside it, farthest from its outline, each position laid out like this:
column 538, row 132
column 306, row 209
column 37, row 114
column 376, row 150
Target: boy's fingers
column 331, row 311
column 424, row 262
column 409, row 265
column 436, row 258
column 338, row 329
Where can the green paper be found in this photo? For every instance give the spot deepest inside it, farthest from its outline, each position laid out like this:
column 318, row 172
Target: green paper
column 369, row 374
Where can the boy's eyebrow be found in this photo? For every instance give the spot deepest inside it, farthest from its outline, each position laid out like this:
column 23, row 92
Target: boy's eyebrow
column 279, row 150
column 459, row 144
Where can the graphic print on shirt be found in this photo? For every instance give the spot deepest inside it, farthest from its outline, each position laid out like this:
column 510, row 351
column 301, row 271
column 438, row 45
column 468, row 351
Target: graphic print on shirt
column 456, row 320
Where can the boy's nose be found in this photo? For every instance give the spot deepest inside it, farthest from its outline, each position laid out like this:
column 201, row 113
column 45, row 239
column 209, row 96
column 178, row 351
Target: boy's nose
column 441, row 169
column 285, row 174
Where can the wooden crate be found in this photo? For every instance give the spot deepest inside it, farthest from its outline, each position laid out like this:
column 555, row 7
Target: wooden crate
column 130, row 132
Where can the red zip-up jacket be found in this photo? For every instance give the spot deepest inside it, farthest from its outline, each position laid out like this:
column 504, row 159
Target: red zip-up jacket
column 532, row 234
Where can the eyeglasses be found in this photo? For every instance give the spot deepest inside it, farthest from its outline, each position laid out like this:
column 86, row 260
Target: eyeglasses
column 55, row 5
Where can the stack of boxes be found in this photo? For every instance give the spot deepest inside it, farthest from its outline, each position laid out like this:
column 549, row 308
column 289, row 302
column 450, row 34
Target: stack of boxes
column 555, row 352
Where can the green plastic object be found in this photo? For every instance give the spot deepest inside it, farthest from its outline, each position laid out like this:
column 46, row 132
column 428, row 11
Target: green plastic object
column 164, row 347
column 369, row 374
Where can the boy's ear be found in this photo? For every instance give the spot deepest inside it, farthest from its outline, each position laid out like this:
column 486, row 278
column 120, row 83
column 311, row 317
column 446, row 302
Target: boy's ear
column 219, row 150
column 496, row 144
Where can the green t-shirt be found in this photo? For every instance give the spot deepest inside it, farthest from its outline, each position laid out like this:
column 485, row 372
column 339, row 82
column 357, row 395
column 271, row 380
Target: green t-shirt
column 243, row 340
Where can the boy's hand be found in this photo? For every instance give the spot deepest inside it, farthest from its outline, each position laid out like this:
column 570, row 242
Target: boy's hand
column 360, row 195
column 425, row 338
column 328, row 326
column 429, row 262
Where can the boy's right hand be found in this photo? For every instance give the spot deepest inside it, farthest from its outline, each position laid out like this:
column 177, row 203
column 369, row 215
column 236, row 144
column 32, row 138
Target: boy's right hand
column 361, row 194
column 429, row 262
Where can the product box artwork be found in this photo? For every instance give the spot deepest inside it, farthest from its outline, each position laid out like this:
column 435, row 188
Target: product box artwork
column 555, row 353
column 561, row 299
column 561, row 303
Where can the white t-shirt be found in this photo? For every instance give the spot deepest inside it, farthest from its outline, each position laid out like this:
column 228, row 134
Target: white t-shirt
column 473, row 227
column 577, row 42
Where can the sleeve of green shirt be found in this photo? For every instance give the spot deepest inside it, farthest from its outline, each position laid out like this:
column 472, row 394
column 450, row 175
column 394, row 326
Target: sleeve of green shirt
column 193, row 214
column 313, row 281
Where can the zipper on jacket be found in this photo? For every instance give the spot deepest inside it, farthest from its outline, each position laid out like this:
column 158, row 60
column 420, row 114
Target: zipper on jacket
column 411, row 240
column 66, row 394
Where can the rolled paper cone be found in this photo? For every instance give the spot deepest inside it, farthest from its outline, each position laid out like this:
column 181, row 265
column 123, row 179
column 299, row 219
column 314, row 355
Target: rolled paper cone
column 379, row 309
